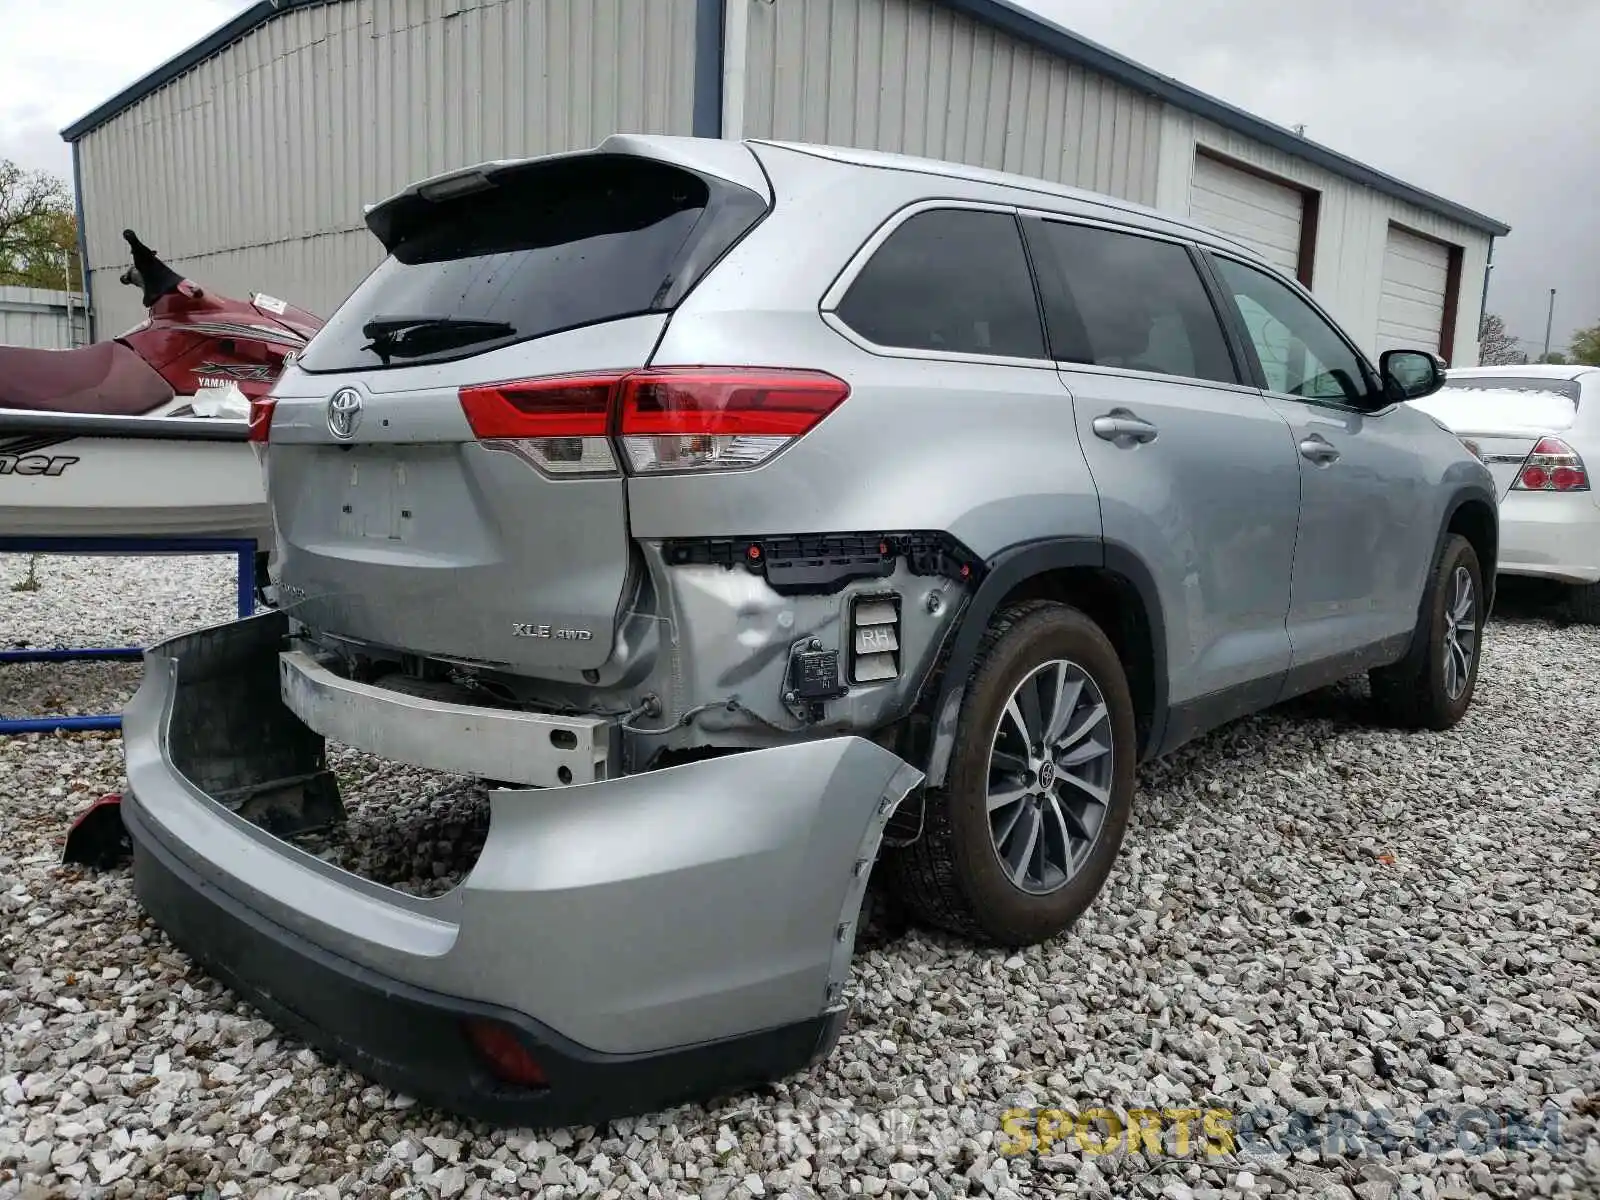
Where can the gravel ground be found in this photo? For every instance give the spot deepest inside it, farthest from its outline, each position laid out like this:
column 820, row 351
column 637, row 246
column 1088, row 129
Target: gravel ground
column 1314, row 921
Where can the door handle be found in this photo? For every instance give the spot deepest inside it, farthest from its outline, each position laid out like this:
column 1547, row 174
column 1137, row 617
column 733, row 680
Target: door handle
column 1319, row 450
column 1120, row 425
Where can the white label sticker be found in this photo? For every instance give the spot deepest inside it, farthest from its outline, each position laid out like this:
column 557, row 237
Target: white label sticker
column 271, row 303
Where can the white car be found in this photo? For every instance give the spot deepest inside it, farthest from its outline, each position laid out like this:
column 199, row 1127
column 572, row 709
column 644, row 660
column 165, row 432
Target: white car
column 1536, row 428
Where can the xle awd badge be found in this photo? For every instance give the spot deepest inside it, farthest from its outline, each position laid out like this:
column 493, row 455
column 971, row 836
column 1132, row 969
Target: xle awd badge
column 522, row 629
column 344, row 413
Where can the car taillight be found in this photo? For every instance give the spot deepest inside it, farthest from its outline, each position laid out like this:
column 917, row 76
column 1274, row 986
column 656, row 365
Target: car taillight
column 1552, row 466
column 700, row 419
column 665, row 419
column 559, row 424
column 261, row 410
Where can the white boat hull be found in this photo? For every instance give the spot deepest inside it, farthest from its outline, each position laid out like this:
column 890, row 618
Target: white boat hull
column 56, row 482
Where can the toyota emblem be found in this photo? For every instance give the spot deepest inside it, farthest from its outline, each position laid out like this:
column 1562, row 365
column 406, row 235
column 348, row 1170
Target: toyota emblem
column 344, row 413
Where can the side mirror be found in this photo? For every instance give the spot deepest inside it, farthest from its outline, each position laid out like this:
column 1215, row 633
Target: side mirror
column 1410, row 374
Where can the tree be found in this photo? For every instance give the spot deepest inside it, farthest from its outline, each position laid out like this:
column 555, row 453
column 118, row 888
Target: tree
column 1496, row 347
column 1555, row 358
column 38, row 233
column 1585, row 347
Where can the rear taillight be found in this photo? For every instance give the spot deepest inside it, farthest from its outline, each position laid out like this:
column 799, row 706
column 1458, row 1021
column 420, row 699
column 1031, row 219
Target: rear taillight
column 1552, row 466
column 558, row 424
column 700, row 419
column 261, row 418
column 665, row 419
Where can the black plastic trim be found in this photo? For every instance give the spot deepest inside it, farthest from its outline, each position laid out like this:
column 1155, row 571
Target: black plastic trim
column 1197, row 717
column 410, row 1039
column 820, row 564
column 66, row 426
column 1013, row 567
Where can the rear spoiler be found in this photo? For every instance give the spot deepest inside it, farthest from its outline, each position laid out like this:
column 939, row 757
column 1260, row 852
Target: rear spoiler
column 726, row 160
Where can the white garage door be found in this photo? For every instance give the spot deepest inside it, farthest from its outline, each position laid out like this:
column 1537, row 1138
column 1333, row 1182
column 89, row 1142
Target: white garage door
column 1416, row 274
column 1265, row 216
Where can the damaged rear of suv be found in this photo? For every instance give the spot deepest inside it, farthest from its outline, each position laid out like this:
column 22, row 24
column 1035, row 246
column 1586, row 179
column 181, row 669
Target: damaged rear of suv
column 616, row 485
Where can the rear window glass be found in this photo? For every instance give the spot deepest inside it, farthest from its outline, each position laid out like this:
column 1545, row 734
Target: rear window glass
column 550, row 246
column 953, row 280
column 1120, row 300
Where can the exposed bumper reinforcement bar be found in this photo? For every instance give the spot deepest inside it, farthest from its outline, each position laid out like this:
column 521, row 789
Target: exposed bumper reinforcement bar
column 536, row 749
column 648, row 940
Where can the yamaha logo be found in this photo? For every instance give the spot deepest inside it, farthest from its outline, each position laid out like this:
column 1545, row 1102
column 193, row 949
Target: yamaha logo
column 344, row 413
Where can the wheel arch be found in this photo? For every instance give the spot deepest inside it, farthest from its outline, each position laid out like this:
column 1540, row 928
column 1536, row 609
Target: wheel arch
column 1105, row 580
column 1475, row 515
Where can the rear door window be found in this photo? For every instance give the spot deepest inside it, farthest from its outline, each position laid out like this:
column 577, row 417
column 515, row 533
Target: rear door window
column 1120, row 300
column 953, row 280
column 543, row 247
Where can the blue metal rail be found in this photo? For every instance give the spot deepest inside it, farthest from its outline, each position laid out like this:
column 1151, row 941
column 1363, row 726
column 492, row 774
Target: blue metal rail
column 243, row 549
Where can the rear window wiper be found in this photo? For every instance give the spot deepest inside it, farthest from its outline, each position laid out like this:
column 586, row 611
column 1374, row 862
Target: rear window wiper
column 409, row 337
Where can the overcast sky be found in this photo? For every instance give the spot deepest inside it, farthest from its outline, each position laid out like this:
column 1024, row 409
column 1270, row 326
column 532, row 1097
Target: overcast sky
column 1486, row 102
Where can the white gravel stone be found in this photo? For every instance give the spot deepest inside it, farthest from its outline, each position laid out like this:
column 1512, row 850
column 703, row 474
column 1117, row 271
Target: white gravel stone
column 1311, row 916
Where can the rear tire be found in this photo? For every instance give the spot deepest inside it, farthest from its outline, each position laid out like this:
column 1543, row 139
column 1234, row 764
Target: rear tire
column 1583, row 603
column 1431, row 688
column 1047, row 668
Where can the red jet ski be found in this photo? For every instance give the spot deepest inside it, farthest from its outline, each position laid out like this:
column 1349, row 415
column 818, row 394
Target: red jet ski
column 113, row 440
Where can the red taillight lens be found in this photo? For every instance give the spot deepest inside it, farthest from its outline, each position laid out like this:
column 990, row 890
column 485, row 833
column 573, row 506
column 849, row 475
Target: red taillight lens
column 504, row 1052
column 667, row 419
column 1552, row 466
column 700, row 418
column 567, row 406
column 261, row 418
column 557, row 424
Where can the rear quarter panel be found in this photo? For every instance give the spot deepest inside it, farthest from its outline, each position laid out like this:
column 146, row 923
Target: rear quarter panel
column 983, row 449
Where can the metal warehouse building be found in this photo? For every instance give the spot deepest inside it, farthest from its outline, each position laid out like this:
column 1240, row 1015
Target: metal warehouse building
column 246, row 160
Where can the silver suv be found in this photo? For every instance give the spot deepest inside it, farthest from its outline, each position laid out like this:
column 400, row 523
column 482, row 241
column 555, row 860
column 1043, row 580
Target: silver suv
column 755, row 516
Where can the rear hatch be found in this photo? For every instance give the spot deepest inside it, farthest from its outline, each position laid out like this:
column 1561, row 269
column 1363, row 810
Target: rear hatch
column 1504, row 417
column 429, row 498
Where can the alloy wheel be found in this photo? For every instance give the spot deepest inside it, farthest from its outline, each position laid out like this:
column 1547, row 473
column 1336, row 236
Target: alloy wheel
column 1050, row 776
column 1460, row 633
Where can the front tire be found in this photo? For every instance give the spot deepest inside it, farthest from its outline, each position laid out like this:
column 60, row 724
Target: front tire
column 1040, row 785
column 1431, row 688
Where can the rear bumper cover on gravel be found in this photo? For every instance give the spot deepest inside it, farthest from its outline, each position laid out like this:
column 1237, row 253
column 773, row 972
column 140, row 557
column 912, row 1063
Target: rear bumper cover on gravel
column 650, row 939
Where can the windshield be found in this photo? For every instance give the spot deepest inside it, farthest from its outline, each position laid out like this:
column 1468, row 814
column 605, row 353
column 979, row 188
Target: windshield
column 553, row 245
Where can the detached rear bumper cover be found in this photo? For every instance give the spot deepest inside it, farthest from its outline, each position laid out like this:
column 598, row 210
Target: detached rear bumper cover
column 652, row 939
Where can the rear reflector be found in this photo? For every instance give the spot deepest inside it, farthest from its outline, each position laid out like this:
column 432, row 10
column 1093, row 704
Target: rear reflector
column 261, row 418
column 504, row 1052
column 665, row 419
column 1552, row 466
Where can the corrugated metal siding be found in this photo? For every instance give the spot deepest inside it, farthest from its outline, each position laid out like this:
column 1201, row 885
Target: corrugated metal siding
column 1352, row 230
column 250, row 172
column 41, row 319
column 909, row 77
